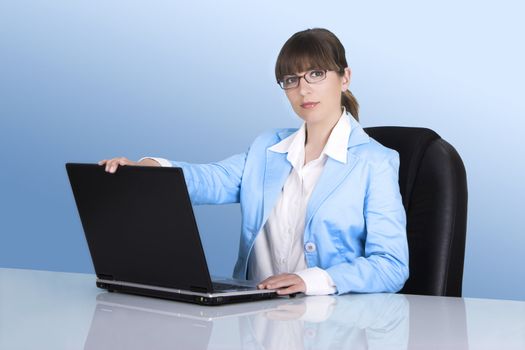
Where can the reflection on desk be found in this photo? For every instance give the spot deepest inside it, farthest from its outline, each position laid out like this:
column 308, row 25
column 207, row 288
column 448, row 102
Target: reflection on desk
column 375, row 321
column 55, row 310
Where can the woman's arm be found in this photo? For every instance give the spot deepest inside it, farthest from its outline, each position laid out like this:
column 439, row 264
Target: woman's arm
column 214, row 183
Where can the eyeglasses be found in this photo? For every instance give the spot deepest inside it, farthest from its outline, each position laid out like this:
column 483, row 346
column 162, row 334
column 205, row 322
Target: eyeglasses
column 312, row 76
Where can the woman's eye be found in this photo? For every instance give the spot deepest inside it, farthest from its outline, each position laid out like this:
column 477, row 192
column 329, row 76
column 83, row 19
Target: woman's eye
column 316, row 73
column 290, row 80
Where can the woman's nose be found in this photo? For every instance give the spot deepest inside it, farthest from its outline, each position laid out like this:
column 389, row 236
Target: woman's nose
column 304, row 86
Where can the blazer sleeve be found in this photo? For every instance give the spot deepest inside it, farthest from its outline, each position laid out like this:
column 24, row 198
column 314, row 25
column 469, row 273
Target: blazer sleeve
column 214, row 183
column 384, row 266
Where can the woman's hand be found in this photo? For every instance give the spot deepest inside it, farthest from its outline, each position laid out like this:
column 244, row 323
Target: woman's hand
column 286, row 283
column 112, row 164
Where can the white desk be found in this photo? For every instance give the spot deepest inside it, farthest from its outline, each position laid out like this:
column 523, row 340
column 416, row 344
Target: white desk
column 52, row 310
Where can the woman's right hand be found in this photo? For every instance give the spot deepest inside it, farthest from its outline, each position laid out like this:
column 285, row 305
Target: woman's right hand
column 113, row 164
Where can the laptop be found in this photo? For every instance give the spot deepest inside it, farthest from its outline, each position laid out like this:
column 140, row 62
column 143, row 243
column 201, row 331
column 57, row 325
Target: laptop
column 143, row 237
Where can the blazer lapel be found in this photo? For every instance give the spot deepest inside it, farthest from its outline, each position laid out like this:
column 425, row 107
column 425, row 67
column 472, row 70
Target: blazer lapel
column 277, row 170
column 335, row 172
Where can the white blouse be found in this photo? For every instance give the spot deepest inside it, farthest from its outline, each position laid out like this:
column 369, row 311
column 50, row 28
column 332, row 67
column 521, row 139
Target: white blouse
column 279, row 246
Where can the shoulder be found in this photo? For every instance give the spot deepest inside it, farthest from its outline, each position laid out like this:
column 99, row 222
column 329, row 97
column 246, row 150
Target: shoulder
column 367, row 149
column 271, row 137
column 375, row 154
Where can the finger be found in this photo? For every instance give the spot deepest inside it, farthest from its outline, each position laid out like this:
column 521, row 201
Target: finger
column 283, row 282
column 116, row 162
column 296, row 288
column 263, row 283
column 272, row 280
column 110, row 166
column 102, row 162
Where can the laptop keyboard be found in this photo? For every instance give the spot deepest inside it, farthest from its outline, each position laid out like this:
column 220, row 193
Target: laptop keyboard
column 219, row 286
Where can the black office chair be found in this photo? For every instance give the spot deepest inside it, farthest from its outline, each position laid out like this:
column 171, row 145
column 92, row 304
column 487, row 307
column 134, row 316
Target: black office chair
column 433, row 185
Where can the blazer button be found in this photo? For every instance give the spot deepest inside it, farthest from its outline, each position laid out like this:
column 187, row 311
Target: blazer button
column 309, row 247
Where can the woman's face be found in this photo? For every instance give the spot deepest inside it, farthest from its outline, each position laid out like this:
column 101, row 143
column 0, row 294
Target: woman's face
column 317, row 102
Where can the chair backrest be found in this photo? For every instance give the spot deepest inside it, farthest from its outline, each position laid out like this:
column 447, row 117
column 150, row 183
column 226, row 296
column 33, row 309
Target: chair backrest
column 433, row 185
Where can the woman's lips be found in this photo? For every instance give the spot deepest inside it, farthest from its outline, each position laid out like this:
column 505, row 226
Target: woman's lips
column 309, row 105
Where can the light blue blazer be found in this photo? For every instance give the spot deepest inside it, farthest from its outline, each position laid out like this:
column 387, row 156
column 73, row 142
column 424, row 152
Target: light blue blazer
column 355, row 221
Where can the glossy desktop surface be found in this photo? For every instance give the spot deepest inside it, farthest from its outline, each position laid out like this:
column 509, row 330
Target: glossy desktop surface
column 54, row 310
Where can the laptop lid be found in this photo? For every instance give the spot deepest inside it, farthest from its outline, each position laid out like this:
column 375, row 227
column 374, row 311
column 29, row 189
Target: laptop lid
column 139, row 225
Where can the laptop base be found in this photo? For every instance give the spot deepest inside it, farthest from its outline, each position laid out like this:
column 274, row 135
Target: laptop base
column 209, row 299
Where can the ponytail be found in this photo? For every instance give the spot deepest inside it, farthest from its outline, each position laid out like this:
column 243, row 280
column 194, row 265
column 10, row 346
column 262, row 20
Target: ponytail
column 350, row 103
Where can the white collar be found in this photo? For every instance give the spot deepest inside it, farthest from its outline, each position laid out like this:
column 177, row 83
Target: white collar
column 336, row 146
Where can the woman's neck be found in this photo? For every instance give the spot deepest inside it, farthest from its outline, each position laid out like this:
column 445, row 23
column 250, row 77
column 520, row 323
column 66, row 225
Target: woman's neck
column 317, row 134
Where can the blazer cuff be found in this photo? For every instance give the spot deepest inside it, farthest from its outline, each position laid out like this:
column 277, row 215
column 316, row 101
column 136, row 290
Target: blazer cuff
column 163, row 162
column 317, row 281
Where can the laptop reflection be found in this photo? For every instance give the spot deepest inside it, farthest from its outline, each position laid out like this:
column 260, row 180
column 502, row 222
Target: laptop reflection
column 122, row 321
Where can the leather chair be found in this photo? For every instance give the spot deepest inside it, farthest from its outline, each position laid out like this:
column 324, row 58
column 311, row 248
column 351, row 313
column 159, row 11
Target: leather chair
column 433, row 185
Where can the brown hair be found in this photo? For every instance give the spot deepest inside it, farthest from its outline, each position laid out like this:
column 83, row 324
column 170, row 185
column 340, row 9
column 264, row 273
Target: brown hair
column 315, row 48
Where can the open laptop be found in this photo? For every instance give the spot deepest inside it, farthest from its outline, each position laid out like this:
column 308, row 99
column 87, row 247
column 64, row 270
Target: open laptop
column 143, row 237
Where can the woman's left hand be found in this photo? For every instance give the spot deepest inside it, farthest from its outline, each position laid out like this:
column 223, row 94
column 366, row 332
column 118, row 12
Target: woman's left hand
column 286, row 283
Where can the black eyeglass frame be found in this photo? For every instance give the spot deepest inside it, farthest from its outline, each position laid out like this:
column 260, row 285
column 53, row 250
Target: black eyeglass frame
column 281, row 82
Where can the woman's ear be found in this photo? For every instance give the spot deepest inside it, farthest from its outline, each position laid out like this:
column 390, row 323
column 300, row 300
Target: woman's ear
column 346, row 79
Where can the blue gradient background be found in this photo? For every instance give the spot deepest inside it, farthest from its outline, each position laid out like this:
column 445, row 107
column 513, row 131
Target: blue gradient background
column 86, row 80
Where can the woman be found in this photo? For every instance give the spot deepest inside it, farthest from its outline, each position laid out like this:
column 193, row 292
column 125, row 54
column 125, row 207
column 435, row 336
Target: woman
column 321, row 208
